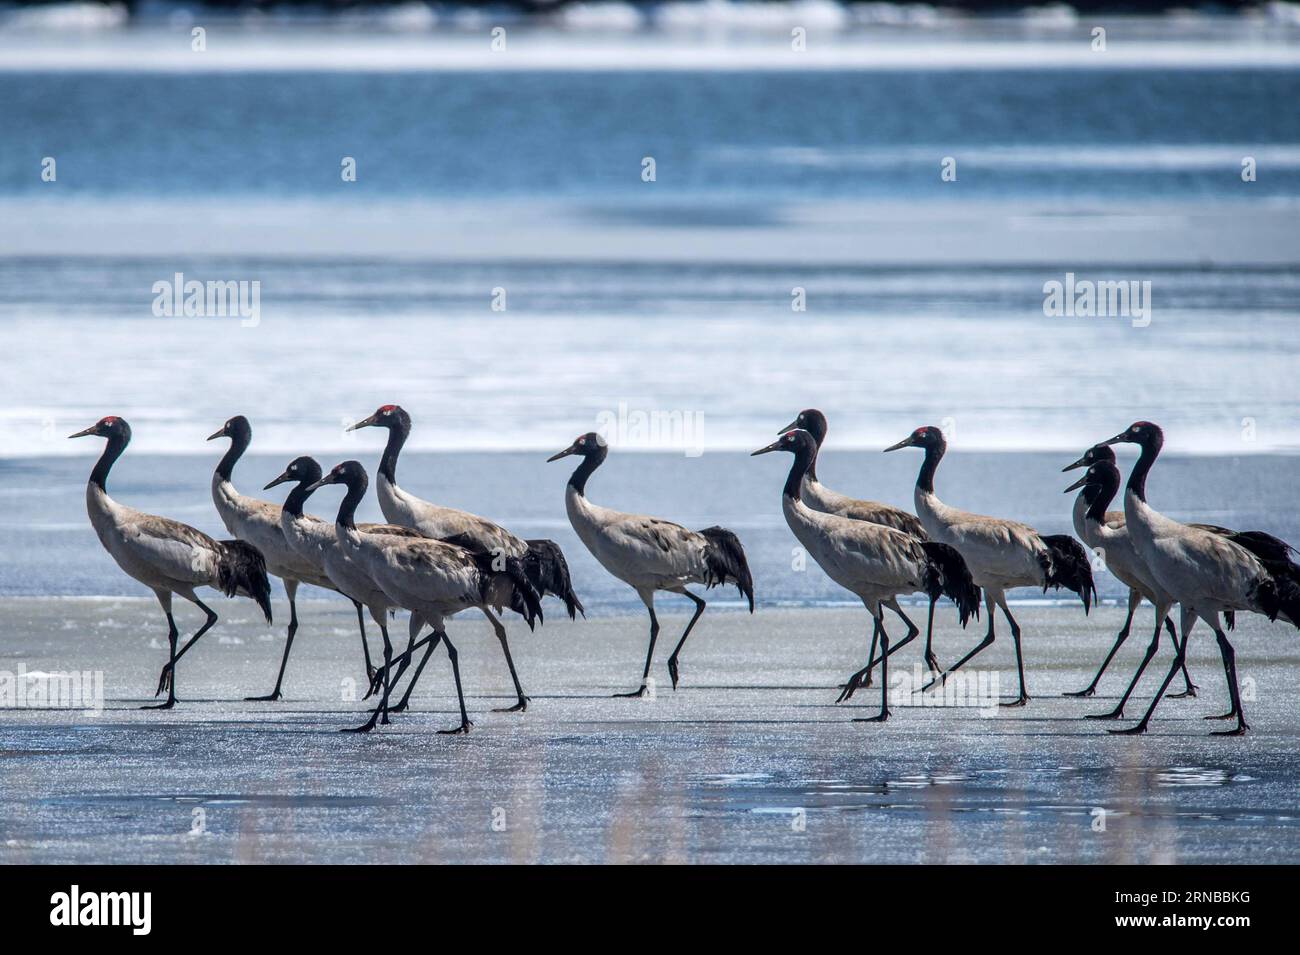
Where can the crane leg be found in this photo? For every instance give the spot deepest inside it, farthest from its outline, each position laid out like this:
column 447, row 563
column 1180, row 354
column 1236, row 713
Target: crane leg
column 1118, row 711
column 166, row 681
column 365, row 647
column 290, row 588
column 912, row 632
column 982, row 645
column 465, row 723
column 172, row 634
column 862, row 678
column 884, row 673
column 1230, row 670
column 1188, row 620
column 413, row 627
column 1020, row 660
column 649, row 654
column 382, row 706
column 521, row 701
column 380, row 713
column 403, row 659
column 699, row 609
column 1134, row 598
column 430, row 645
column 931, row 661
column 1190, row 687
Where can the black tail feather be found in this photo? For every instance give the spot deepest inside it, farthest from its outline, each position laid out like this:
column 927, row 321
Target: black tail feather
column 524, row 598
column 1276, row 556
column 948, row 576
column 726, row 562
column 1278, row 595
column 549, row 572
column 1067, row 565
column 241, row 571
column 1273, row 552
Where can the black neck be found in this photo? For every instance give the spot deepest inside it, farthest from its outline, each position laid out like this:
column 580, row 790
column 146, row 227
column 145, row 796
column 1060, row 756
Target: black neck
column 578, row 480
column 817, row 428
column 1137, row 480
column 348, row 507
column 804, row 455
column 296, row 499
column 933, row 455
column 397, row 435
column 112, row 451
column 238, row 445
column 1098, row 497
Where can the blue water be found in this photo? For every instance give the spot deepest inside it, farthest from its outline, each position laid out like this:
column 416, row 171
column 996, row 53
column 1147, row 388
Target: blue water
column 672, row 296
column 720, row 137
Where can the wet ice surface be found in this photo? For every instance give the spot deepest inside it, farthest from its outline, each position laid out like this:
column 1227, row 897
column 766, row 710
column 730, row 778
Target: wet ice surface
column 716, row 772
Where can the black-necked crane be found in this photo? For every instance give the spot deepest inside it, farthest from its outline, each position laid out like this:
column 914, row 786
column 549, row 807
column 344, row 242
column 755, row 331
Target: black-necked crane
column 1104, row 533
column 872, row 561
column 819, row 497
column 316, row 542
column 430, row 578
column 542, row 559
column 650, row 554
column 258, row 522
column 167, row 556
column 1205, row 572
column 1001, row 554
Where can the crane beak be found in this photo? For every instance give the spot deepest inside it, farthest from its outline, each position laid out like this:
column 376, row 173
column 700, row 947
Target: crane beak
column 219, row 434
column 280, row 480
column 1120, row 438
column 774, row 446
column 1082, row 462
column 563, row 454
column 363, row 423
column 905, row 443
column 83, row 434
column 318, row 485
column 1076, row 485
column 790, row 427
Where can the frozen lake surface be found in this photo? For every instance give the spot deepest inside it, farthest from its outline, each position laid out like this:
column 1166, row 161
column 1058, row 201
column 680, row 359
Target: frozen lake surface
column 750, row 761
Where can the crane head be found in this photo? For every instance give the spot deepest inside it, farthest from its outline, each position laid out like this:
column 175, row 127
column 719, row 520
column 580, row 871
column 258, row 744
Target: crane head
column 793, row 441
column 237, row 429
column 304, row 470
column 1098, row 452
column 926, row 436
column 109, row 427
column 386, row 416
column 1140, row 432
column 810, row 420
column 584, row 445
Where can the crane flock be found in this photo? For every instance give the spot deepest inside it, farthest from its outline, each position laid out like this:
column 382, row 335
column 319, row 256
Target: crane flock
column 435, row 562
